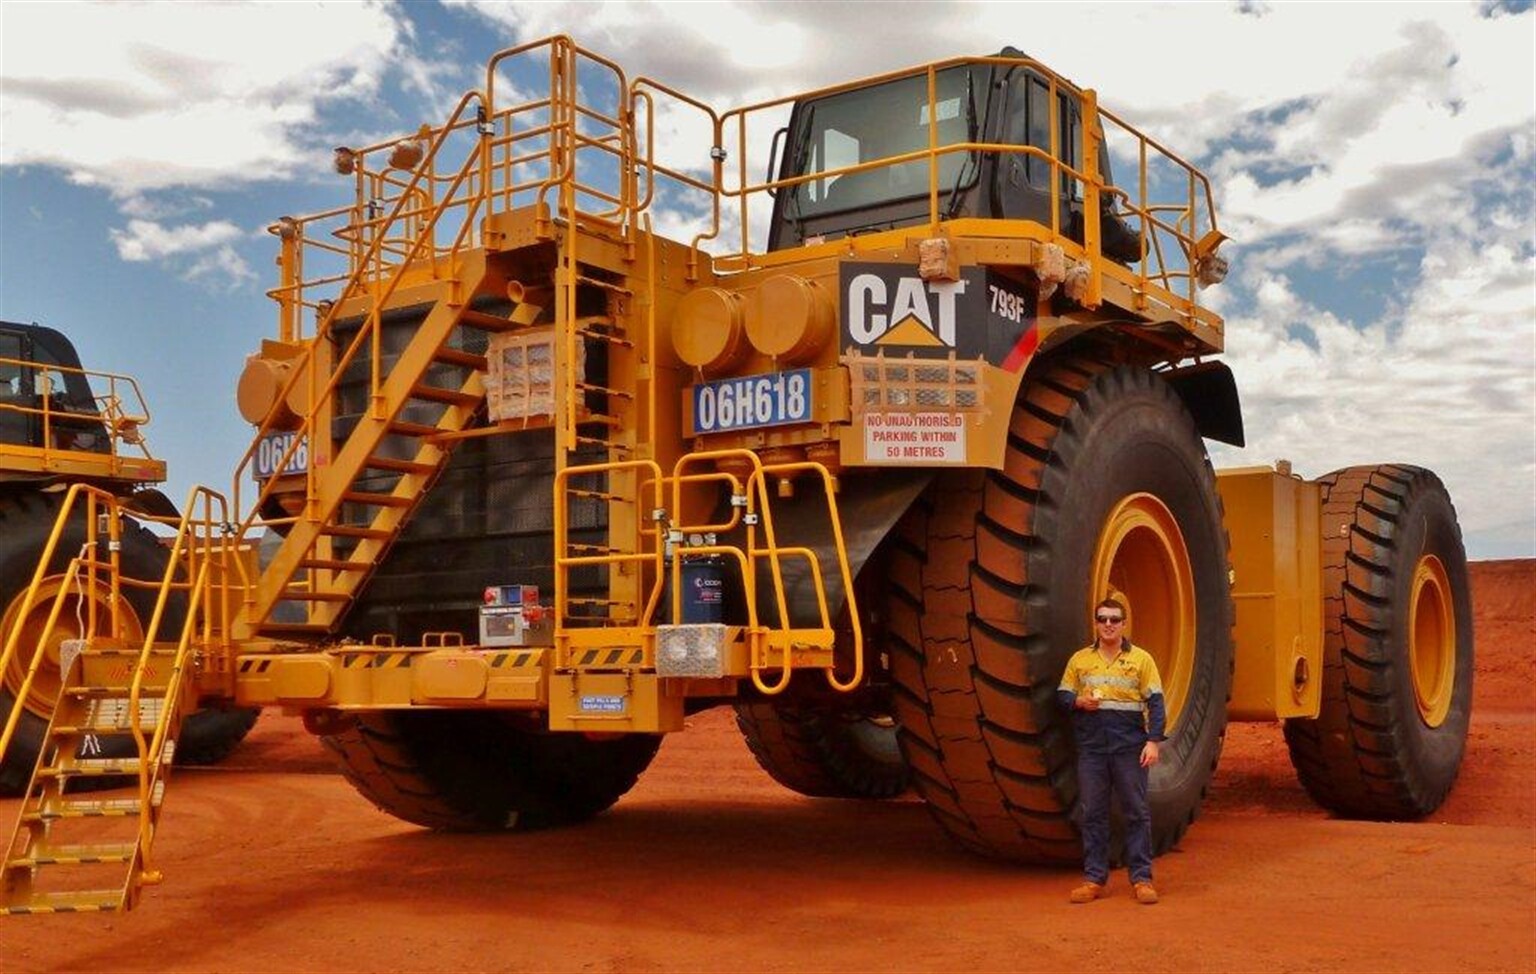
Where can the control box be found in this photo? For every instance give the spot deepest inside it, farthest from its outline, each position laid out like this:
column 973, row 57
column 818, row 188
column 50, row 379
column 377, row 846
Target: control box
column 512, row 616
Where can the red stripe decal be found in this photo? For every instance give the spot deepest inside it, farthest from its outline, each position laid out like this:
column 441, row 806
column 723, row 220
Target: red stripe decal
column 1023, row 349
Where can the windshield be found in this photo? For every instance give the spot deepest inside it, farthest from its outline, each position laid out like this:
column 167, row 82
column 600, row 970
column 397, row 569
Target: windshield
column 876, row 123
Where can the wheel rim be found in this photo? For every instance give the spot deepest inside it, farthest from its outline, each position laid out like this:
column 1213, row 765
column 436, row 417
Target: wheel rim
column 1142, row 561
column 1432, row 640
column 49, row 679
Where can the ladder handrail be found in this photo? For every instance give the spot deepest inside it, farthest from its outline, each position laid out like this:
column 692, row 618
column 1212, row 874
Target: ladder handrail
column 182, row 548
column 30, row 596
column 304, row 367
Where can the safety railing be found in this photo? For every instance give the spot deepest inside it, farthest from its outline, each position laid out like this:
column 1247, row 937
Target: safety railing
column 588, row 146
column 378, row 278
column 112, row 418
column 675, row 539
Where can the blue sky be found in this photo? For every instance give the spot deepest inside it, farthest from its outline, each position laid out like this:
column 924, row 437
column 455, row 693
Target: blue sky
column 1373, row 163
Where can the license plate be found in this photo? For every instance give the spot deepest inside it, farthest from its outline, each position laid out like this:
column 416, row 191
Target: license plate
column 752, row 401
column 271, row 450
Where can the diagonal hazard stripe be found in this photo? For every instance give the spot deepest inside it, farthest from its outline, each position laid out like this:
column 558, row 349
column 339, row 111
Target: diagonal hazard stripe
column 1023, row 349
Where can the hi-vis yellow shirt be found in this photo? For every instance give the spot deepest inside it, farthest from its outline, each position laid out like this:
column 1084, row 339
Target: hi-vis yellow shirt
column 1130, row 694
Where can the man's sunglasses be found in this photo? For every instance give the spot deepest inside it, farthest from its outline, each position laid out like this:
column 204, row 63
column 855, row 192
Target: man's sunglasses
column 1109, row 620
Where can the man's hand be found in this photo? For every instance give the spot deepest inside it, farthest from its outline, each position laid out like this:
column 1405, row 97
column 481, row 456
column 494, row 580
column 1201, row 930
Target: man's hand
column 1149, row 754
column 1087, row 703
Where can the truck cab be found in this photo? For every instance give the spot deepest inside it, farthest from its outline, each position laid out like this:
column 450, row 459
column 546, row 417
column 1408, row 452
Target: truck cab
column 860, row 156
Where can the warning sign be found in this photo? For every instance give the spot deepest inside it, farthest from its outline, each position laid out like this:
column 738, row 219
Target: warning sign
column 914, row 438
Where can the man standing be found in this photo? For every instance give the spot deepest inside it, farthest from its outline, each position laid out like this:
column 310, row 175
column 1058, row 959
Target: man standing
column 1118, row 716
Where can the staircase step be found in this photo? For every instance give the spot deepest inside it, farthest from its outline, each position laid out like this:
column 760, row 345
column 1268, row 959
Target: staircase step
column 318, row 595
column 58, row 807
column 332, row 565
column 74, row 854
column 605, row 390
column 91, row 768
column 355, row 531
column 453, row 397
column 72, row 901
column 116, row 724
column 459, row 357
column 399, row 466
column 485, row 322
column 402, row 428
column 376, row 500
column 148, row 690
column 608, row 444
column 155, row 652
column 293, row 628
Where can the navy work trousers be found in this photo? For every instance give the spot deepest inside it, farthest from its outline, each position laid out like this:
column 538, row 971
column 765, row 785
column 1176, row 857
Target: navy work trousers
column 1099, row 775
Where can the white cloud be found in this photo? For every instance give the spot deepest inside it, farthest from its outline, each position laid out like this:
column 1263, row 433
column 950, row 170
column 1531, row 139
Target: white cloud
column 205, row 251
column 1447, row 382
column 148, row 240
column 135, row 97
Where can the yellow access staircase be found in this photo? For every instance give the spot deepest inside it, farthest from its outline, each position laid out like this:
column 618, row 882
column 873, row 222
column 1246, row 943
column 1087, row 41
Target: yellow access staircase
column 330, row 550
column 71, row 849
column 343, row 529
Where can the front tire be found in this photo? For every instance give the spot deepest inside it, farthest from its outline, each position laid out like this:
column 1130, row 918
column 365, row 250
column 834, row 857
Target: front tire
column 824, row 752
column 1397, row 648
column 1106, row 490
column 465, row 771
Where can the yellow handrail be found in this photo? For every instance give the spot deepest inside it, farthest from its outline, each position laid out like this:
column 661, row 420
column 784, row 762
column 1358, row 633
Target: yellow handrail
column 121, row 410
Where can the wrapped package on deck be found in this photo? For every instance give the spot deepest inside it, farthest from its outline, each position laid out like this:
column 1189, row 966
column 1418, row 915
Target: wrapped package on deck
column 520, row 374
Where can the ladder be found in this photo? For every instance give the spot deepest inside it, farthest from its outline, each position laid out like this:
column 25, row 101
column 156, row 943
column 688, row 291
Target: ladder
column 604, row 457
column 73, row 849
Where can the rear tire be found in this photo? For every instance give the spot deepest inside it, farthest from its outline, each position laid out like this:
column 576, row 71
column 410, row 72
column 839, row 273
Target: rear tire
column 823, row 753
column 465, row 771
column 1106, row 488
column 1397, row 648
column 208, row 736
column 26, row 520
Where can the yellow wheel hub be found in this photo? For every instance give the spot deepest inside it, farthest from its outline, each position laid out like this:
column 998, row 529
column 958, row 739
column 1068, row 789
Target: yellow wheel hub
column 1142, row 560
column 1432, row 640
column 75, row 618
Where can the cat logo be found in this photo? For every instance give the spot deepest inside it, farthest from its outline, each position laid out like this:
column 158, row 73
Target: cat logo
column 912, row 313
column 889, row 309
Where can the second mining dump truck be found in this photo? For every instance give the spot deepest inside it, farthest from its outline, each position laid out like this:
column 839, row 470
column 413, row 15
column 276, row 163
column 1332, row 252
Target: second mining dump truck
column 62, row 424
column 548, row 456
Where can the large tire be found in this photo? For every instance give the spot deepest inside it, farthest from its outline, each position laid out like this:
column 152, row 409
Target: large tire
column 26, row 520
column 993, row 575
column 466, row 771
column 209, row 735
column 824, row 753
column 1397, row 648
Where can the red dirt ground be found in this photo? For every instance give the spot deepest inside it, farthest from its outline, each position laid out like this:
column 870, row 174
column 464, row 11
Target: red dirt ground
column 274, row 863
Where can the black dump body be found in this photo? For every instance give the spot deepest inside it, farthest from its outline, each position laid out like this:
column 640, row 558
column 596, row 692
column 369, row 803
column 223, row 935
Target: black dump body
column 39, row 365
column 1003, row 104
column 486, row 521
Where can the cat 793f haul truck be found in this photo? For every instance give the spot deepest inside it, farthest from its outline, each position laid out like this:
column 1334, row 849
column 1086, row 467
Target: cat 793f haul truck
column 547, row 457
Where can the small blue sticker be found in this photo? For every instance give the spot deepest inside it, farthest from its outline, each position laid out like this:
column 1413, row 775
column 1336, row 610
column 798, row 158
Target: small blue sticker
column 602, row 705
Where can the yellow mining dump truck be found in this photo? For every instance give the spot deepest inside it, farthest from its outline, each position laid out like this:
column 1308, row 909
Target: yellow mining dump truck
column 61, row 424
column 548, row 456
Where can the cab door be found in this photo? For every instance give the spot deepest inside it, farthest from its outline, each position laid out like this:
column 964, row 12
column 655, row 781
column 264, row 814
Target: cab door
column 18, row 422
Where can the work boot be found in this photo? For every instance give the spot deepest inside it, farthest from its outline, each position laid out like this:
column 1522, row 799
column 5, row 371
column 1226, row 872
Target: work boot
column 1087, row 893
column 1146, row 893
